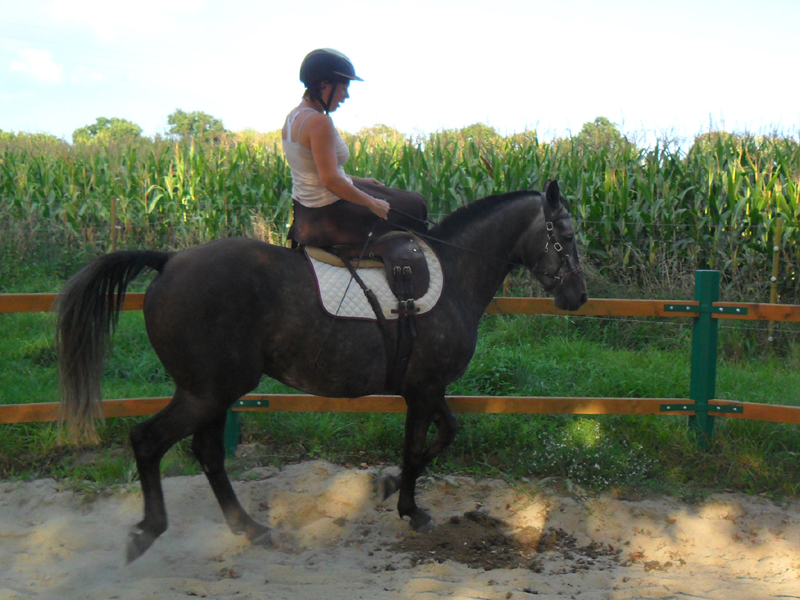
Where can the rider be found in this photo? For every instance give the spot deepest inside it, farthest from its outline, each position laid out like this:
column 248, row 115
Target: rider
column 330, row 206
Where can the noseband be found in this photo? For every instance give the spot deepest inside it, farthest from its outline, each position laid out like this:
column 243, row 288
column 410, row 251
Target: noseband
column 566, row 259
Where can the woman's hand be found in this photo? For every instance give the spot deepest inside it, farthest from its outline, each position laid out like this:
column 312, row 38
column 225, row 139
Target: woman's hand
column 380, row 207
column 371, row 180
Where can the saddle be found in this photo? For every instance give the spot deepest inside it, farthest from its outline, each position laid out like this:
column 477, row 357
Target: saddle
column 408, row 276
column 398, row 252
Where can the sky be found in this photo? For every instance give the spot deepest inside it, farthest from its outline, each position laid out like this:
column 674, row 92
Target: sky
column 676, row 68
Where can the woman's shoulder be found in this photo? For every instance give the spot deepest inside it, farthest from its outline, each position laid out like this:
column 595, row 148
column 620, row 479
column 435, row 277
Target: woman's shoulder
column 315, row 116
column 318, row 123
column 306, row 122
column 303, row 113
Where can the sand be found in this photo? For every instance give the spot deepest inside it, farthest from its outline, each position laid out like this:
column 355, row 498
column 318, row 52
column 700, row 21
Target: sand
column 334, row 540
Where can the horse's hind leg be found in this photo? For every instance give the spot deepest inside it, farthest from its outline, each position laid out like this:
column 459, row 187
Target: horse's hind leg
column 151, row 440
column 209, row 448
column 416, row 457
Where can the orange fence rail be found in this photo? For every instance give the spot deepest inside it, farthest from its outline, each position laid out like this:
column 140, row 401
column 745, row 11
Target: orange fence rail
column 134, row 407
column 42, row 412
column 598, row 307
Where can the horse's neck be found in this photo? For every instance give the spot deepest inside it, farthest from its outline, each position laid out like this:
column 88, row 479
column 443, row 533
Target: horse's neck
column 480, row 253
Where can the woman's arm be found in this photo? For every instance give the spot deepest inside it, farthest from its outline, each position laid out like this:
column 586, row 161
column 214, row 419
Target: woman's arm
column 366, row 179
column 322, row 141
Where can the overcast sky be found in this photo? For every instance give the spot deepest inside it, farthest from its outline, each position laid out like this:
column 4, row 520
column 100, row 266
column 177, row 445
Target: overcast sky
column 677, row 66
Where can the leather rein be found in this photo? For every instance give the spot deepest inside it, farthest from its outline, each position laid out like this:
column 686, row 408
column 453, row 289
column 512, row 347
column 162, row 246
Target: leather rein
column 549, row 225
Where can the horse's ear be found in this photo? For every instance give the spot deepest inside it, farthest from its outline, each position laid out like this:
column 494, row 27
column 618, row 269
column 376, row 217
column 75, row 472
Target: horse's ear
column 552, row 193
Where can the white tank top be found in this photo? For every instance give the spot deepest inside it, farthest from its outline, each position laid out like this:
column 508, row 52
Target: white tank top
column 307, row 188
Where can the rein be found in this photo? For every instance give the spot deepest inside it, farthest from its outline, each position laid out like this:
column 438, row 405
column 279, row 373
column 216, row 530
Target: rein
column 557, row 279
column 441, row 241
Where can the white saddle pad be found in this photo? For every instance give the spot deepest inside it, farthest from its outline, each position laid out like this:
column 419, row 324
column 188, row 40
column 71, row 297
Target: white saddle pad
column 342, row 296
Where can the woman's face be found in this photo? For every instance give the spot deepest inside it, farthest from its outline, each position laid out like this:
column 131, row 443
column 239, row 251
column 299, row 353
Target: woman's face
column 339, row 96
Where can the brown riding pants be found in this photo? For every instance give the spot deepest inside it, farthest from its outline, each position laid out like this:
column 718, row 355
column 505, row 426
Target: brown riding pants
column 344, row 222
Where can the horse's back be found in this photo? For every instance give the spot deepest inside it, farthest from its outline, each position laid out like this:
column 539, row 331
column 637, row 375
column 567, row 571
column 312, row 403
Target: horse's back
column 244, row 306
column 224, row 267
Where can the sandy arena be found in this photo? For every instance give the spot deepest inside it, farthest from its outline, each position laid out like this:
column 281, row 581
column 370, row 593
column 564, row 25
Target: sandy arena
column 333, row 540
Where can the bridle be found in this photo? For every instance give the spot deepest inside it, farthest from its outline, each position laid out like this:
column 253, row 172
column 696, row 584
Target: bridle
column 550, row 228
column 566, row 259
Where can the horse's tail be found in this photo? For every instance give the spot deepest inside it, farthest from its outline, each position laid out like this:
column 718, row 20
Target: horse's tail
column 88, row 311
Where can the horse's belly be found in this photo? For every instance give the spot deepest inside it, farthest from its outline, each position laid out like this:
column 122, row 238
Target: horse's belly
column 346, row 366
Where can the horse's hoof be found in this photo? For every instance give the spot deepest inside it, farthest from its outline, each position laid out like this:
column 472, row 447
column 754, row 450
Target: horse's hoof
column 387, row 485
column 259, row 536
column 138, row 542
column 421, row 522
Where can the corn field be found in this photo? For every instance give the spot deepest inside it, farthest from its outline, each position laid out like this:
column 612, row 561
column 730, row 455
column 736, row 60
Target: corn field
column 647, row 213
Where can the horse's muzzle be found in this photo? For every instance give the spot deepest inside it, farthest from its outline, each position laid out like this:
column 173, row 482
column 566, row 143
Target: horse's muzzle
column 570, row 302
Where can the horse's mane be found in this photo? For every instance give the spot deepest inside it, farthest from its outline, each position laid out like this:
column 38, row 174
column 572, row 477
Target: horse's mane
column 455, row 221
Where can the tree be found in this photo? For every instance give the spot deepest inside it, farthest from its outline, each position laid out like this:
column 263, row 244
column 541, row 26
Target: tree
column 249, row 136
column 601, row 133
column 382, row 134
column 39, row 141
column 713, row 140
column 107, row 130
column 523, row 139
column 480, row 133
column 195, row 125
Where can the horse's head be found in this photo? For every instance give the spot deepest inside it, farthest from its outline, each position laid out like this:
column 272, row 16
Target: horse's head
column 548, row 248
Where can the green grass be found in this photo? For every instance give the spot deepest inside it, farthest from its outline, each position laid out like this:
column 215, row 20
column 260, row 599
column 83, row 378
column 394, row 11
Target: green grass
column 516, row 355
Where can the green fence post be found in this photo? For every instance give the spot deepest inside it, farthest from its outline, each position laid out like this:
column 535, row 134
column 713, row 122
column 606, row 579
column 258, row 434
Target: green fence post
column 233, row 433
column 704, row 354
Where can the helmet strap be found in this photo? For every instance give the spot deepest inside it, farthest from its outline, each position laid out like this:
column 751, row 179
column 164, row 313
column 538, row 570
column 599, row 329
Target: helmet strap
column 326, row 104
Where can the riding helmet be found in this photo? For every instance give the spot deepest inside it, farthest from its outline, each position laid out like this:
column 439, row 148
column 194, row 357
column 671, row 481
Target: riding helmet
column 327, row 64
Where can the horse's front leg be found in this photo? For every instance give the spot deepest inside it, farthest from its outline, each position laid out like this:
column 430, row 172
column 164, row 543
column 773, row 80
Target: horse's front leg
column 416, row 457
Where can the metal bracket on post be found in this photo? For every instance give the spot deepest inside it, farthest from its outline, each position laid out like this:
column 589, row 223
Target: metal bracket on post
column 716, row 310
column 711, row 408
column 251, row 404
column 704, row 354
column 676, row 407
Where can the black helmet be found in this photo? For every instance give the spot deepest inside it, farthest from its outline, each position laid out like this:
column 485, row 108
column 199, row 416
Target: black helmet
column 326, row 64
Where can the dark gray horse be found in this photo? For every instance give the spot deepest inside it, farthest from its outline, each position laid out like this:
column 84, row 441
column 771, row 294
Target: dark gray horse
column 222, row 315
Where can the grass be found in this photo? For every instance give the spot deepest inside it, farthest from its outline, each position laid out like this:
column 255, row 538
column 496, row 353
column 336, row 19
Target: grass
column 516, row 355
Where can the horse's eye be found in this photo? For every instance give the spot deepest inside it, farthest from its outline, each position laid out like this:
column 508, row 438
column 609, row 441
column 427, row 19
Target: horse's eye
column 568, row 239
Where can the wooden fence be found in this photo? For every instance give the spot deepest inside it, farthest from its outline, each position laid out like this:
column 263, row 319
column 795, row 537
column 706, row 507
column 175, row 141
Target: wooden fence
column 701, row 407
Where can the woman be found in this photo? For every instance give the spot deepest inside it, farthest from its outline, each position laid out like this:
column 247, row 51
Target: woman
column 331, row 207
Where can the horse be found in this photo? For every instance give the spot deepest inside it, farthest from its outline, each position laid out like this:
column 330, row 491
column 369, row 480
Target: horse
column 223, row 314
